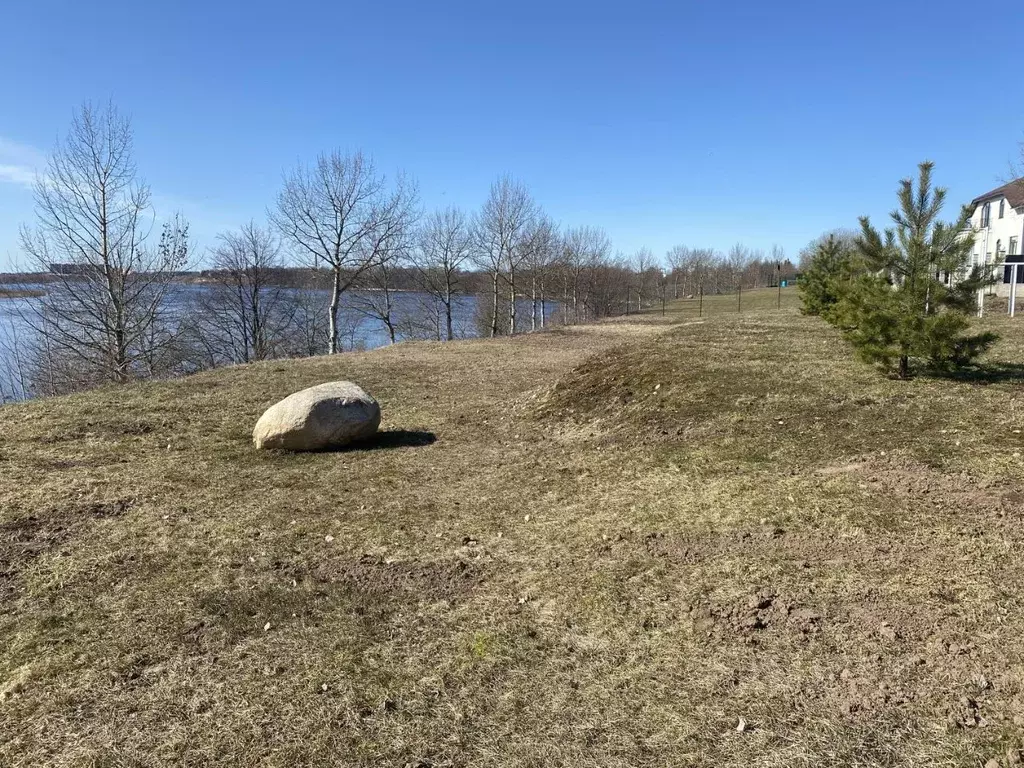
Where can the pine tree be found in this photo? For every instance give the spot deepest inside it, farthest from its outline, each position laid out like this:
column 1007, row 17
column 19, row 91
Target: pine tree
column 900, row 312
column 828, row 274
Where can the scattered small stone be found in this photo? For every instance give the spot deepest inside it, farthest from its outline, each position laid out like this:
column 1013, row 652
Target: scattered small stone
column 328, row 538
column 741, row 726
column 887, row 632
column 846, row 674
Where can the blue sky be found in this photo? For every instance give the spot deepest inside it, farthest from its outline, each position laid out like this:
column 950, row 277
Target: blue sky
column 695, row 123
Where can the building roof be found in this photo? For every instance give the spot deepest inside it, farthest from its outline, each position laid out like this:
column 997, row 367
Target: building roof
column 1013, row 192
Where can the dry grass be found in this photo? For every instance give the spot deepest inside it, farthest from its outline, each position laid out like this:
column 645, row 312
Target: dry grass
column 624, row 539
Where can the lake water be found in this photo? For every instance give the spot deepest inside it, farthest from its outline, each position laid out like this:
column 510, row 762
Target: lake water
column 359, row 331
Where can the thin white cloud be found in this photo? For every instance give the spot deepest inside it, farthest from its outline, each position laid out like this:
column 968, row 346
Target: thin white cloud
column 19, row 162
column 21, row 154
column 17, row 174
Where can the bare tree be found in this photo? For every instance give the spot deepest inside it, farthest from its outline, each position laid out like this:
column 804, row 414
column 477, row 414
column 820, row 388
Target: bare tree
column 775, row 261
column 584, row 249
column 541, row 246
column 737, row 261
column 677, row 258
column 107, row 307
column 310, row 329
column 246, row 314
column 643, row 263
column 701, row 266
column 375, row 296
column 342, row 212
column 500, row 230
column 603, row 286
column 16, row 357
column 445, row 244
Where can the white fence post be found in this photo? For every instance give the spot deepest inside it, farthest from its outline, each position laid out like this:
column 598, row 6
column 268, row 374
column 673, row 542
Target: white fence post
column 1013, row 288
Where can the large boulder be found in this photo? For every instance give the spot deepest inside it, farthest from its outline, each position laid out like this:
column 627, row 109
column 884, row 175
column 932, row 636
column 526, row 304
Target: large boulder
column 328, row 415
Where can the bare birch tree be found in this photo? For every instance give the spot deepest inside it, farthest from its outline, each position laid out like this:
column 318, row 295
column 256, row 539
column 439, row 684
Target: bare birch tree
column 583, row 249
column 643, row 264
column 342, row 213
column 106, row 312
column 500, row 230
column 445, row 244
column 541, row 244
column 677, row 257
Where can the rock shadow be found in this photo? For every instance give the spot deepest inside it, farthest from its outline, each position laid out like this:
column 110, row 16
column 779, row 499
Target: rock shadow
column 393, row 438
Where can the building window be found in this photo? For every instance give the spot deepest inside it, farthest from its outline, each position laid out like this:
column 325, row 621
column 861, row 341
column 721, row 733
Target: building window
column 1008, row 274
column 986, row 214
column 1013, row 246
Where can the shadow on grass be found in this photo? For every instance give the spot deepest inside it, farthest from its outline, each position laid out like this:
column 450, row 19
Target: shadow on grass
column 982, row 373
column 393, row 438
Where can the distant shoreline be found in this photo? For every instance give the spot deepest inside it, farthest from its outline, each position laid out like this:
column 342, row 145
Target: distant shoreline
column 21, row 293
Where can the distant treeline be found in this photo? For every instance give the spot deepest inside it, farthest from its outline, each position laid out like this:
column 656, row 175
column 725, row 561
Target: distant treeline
column 341, row 244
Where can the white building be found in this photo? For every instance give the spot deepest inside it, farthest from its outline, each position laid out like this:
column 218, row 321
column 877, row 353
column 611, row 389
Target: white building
column 997, row 218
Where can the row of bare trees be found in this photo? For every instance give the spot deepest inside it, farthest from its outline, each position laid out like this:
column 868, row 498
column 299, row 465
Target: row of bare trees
column 696, row 270
column 342, row 244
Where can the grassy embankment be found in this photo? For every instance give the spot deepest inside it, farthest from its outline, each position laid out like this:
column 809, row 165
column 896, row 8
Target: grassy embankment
column 625, row 541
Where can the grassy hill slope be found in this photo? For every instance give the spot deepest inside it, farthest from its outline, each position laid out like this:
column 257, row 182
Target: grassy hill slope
column 609, row 545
